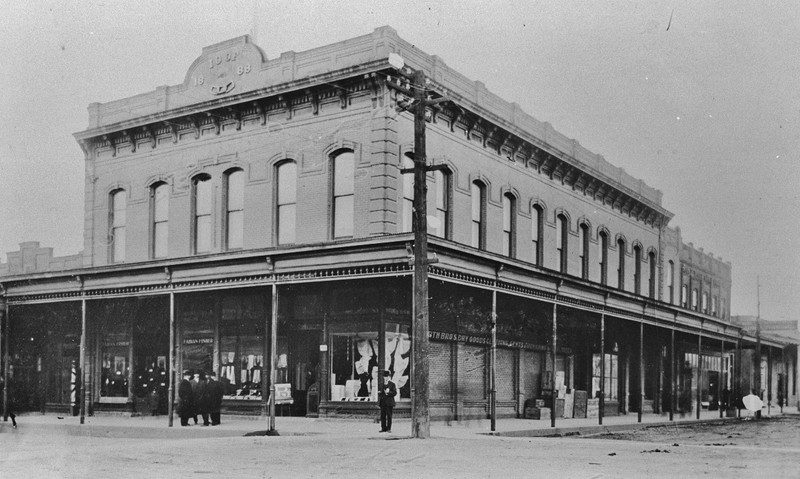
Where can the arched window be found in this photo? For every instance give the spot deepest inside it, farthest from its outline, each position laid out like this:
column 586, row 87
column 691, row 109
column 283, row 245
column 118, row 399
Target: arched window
column 442, row 204
column 407, row 180
column 704, row 299
column 343, row 194
column 637, row 269
column 651, row 259
column 671, row 281
column 602, row 256
column 202, row 206
column 286, row 202
column 621, row 267
column 159, row 212
column 117, row 223
column 509, row 225
column 684, row 299
column 234, row 209
column 478, row 193
column 561, row 241
column 537, row 229
column 584, row 242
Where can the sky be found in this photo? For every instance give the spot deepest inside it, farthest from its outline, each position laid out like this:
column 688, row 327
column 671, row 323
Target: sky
column 698, row 99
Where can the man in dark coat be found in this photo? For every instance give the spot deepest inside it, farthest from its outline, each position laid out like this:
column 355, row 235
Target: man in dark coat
column 214, row 392
column 386, row 402
column 185, row 398
column 200, row 397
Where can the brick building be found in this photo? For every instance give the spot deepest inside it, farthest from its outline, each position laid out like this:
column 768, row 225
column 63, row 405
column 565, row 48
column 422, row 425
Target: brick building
column 263, row 199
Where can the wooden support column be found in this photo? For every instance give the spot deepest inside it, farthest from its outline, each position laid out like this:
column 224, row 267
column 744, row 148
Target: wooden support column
column 672, row 379
column 641, row 371
column 602, row 401
column 273, row 345
column 699, row 369
column 171, row 387
column 721, row 376
column 4, row 344
column 82, row 359
column 737, row 369
column 769, row 379
column 555, row 345
column 493, row 359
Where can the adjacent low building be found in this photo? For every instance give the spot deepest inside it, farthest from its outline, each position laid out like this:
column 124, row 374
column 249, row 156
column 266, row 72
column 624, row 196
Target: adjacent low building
column 263, row 201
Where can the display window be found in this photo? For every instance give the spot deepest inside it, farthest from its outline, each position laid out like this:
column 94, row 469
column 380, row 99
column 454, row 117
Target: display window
column 611, row 392
column 242, row 365
column 398, row 358
column 354, row 366
column 115, row 350
column 197, row 334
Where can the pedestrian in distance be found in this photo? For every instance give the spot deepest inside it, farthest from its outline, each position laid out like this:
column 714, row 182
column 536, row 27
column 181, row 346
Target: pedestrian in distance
column 214, row 391
column 8, row 407
column 386, row 402
column 186, row 408
column 196, row 395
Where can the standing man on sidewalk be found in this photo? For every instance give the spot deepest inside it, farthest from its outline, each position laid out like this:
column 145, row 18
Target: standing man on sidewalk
column 185, row 398
column 214, row 392
column 386, row 402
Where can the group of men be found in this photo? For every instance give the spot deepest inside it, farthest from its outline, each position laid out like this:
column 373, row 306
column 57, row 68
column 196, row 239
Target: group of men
column 200, row 394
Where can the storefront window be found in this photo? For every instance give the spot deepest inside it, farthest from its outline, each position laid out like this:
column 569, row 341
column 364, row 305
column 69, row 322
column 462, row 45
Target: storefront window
column 611, row 376
column 197, row 334
column 398, row 357
column 116, row 347
column 241, row 364
column 354, row 367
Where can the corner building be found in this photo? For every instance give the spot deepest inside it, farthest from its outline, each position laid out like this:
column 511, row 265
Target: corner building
column 262, row 202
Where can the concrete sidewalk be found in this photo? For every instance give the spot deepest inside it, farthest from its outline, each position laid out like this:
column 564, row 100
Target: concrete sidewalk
column 123, row 426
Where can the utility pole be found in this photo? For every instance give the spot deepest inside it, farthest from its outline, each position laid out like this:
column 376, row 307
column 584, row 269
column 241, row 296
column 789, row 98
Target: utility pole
column 420, row 397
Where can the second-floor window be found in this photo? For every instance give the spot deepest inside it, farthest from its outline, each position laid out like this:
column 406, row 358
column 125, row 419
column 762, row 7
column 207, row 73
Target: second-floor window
column 694, row 299
column 234, row 209
column 286, row 202
column 637, row 269
column 602, row 256
column 705, row 302
column 584, row 242
column 159, row 209
column 621, row 268
column 343, row 194
column 683, row 296
column 509, row 225
column 561, row 242
column 117, row 224
column 671, row 281
column 478, row 193
column 537, row 229
column 408, row 197
column 202, row 199
column 442, row 204
column 651, row 284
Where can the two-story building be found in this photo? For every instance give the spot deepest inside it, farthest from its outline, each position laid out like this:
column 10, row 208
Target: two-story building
column 262, row 200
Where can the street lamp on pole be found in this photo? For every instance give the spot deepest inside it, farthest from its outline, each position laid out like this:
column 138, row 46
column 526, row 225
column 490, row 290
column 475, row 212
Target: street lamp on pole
column 416, row 90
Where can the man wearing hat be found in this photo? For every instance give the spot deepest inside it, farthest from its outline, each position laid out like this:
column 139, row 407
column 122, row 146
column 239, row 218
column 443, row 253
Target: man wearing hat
column 185, row 398
column 386, row 401
column 215, row 391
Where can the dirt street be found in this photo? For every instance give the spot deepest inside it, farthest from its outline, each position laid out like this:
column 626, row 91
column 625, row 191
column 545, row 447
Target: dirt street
column 767, row 448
